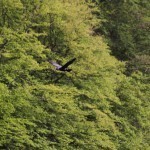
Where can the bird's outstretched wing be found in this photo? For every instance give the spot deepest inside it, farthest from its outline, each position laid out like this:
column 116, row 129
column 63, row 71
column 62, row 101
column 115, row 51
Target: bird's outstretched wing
column 56, row 65
column 68, row 63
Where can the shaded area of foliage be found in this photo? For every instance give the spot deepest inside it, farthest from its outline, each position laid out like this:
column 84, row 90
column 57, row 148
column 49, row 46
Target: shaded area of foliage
column 126, row 27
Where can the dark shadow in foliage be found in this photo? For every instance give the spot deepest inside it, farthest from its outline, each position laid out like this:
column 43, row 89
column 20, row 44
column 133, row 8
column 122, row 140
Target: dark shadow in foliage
column 44, row 75
column 138, row 63
column 53, row 138
column 59, row 78
column 84, row 98
column 3, row 44
column 47, row 76
column 91, row 116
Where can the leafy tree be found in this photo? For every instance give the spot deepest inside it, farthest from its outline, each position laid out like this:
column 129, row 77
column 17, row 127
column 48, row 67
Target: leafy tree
column 126, row 27
column 88, row 108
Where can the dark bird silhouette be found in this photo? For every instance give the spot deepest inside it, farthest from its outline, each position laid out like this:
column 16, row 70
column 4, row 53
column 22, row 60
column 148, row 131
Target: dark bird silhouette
column 65, row 66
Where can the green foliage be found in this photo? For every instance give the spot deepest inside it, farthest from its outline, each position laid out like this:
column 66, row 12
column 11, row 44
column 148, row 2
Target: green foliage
column 139, row 63
column 93, row 107
column 126, row 27
column 134, row 93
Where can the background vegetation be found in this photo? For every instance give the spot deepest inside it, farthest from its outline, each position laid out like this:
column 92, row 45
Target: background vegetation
column 103, row 103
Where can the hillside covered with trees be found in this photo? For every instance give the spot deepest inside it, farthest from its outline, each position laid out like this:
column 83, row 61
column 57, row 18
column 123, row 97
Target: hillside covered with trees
column 103, row 103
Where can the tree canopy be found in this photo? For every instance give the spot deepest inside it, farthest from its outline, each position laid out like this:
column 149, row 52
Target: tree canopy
column 96, row 105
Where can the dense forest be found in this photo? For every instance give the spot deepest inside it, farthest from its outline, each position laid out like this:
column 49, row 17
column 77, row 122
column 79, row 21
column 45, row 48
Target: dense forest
column 103, row 103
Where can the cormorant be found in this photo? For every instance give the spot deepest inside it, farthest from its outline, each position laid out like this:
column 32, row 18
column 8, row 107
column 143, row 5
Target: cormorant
column 64, row 67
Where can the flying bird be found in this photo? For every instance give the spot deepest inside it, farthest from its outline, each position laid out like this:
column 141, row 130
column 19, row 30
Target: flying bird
column 65, row 66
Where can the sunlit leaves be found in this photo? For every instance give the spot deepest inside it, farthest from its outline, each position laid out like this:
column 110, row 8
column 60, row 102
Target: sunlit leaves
column 41, row 108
